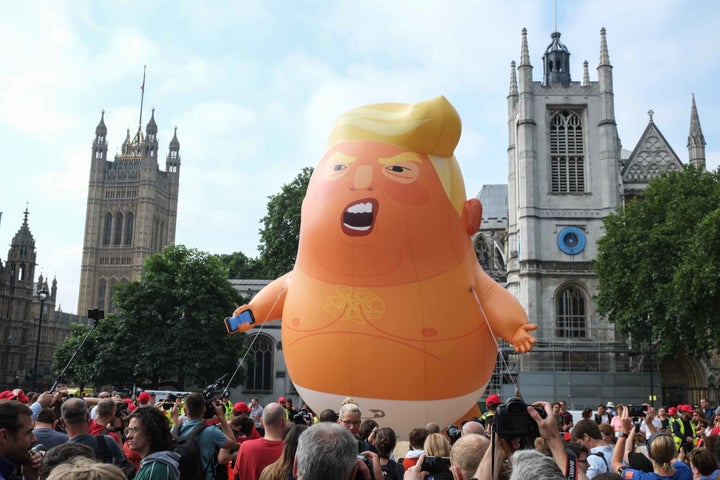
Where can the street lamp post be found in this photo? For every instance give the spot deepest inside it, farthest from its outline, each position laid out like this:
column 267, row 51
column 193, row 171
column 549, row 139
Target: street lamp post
column 42, row 295
column 648, row 322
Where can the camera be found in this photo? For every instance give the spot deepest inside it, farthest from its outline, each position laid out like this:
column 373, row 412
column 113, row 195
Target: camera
column 211, row 400
column 512, row 420
column 454, row 433
column 368, row 463
column 437, row 467
column 302, row 417
column 636, row 410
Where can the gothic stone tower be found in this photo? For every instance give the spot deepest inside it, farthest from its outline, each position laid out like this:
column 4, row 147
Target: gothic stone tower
column 131, row 212
column 563, row 178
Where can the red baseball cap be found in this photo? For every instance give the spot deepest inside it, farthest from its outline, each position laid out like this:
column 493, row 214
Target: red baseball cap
column 493, row 399
column 281, row 399
column 241, row 407
column 672, row 411
column 143, row 398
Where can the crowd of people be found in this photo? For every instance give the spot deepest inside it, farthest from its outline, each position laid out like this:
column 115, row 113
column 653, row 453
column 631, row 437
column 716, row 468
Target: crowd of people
column 53, row 436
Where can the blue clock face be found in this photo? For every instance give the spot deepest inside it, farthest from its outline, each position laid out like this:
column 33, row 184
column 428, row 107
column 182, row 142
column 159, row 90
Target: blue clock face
column 571, row 240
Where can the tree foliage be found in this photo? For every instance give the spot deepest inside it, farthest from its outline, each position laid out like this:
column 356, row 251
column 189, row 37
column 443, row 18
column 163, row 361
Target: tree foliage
column 660, row 257
column 167, row 327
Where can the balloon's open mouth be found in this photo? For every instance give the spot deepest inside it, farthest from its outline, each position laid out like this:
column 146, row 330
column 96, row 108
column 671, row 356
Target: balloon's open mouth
column 358, row 218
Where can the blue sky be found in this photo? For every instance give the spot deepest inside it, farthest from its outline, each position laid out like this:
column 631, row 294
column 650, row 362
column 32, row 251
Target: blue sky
column 254, row 86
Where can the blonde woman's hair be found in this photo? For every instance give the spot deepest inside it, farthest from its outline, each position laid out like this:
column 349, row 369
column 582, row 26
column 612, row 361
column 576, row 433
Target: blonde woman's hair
column 79, row 468
column 662, row 450
column 437, row 446
column 349, row 406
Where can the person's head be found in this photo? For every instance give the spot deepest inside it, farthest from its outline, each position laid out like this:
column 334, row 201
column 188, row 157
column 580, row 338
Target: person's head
column 601, row 409
column 74, row 412
column 328, row 415
column 384, row 440
column 366, row 428
column 586, row 413
column 533, row 465
column 241, row 425
column 556, row 407
column 350, row 416
column 432, row 427
column 241, row 408
column 148, row 431
column 703, row 461
column 254, row 402
column 581, row 454
column 619, row 409
column 563, row 406
column 492, row 401
column 16, row 431
column 661, row 450
column 143, row 398
column 607, row 432
column 325, row 450
column 80, row 468
column 417, row 437
column 473, row 427
column 273, row 417
column 662, row 412
column 703, row 403
column 61, row 454
column 587, row 433
column 195, row 405
column 466, row 454
column 47, row 418
column 436, row 446
column 106, row 408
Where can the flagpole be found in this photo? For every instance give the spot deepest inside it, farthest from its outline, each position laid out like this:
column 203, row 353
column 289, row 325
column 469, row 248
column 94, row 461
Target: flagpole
column 142, row 95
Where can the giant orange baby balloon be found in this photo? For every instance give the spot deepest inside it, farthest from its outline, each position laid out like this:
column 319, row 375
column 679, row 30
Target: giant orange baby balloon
column 387, row 302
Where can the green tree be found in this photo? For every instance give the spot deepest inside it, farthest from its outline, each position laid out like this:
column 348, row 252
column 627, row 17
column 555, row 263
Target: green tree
column 167, row 326
column 240, row 265
column 281, row 227
column 660, row 257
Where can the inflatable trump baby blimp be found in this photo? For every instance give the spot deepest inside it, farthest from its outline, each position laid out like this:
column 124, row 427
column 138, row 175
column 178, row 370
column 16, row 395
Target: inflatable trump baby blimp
column 387, row 302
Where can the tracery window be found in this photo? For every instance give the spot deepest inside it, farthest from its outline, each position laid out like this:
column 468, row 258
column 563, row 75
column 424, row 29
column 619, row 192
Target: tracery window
column 567, row 156
column 260, row 371
column 107, row 230
column 571, row 320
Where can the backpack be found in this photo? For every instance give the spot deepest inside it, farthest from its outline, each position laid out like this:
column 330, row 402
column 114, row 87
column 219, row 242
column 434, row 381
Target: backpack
column 189, row 449
column 601, row 455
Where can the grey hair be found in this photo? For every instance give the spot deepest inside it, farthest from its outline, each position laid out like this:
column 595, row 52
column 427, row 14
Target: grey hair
column 326, row 450
column 533, row 465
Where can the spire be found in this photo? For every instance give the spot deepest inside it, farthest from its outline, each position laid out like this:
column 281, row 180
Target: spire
column 172, row 162
column 151, row 126
column 696, row 139
column 23, row 237
column 174, row 143
column 556, row 63
column 524, row 51
column 101, row 129
column 604, row 55
column 513, row 79
column 586, row 74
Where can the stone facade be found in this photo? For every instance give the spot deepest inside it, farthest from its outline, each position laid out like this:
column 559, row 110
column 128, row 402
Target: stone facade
column 131, row 212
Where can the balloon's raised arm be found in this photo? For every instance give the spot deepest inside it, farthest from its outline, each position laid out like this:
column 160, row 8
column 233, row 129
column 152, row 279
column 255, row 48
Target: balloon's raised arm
column 267, row 305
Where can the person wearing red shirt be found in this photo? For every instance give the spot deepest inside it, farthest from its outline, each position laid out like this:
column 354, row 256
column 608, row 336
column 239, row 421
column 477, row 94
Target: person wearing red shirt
column 255, row 455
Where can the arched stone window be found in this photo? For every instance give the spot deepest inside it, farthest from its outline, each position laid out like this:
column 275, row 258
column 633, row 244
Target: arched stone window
column 571, row 313
column 117, row 239
column 102, row 290
column 567, row 152
column 260, row 370
column 129, row 224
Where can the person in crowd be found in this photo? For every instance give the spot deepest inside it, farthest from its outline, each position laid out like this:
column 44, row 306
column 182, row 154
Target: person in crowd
column 556, row 415
column 707, row 410
column 608, row 433
column 16, row 439
column 366, row 428
column 473, row 427
column 664, row 418
column 602, row 415
column 61, row 454
column 466, row 454
column 432, row 427
column 533, row 465
column 328, row 415
column 80, row 468
column 282, row 468
column 144, row 398
column 209, row 439
column 615, row 421
column 291, row 410
column 75, row 418
column 350, row 417
column 566, row 416
column 661, row 452
column 148, row 434
column 491, row 403
column 256, row 411
column 329, row 451
column 586, row 413
column 650, row 423
column 416, row 439
column 384, row 440
column 436, row 445
column 581, row 455
column 104, row 422
column 587, row 433
column 255, row 455
column 683, row 430
column 703, row 463
column 44, row 430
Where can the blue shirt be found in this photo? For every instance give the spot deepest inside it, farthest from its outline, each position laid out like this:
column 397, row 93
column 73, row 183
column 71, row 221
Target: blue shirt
column 6, row 468
column 209, row 440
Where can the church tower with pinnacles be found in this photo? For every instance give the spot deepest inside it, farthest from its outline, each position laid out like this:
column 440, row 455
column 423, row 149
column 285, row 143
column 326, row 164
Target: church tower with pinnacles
column 131, row 211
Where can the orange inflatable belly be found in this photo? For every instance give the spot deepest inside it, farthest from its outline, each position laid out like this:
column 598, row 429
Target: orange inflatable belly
column 418, row 341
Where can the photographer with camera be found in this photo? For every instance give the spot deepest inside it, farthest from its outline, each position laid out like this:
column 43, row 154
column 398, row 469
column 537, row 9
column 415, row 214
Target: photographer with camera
column 108, row 421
